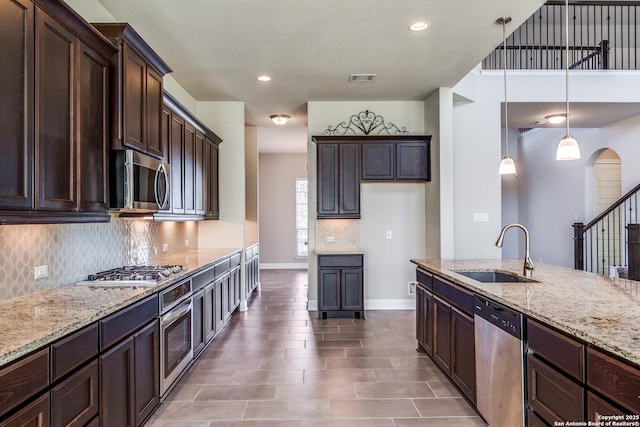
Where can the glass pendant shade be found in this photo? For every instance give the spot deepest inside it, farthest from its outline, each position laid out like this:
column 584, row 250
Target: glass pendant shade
column 507, row 166
column 568, row 149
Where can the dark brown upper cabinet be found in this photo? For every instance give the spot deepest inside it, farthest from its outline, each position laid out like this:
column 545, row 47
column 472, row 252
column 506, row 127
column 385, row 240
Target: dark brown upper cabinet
column 345, row 161
column 193, row 155
column 136, row 102
column 338, row 178
column 397, row 158
column 54, row 87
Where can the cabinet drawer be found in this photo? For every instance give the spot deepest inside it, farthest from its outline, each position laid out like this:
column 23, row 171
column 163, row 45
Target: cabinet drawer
column 203, row 278
column 596, row 407
column 340, row 260
column 553, row 396
column 614, row 379
column 534, row 421
column 222, row 267
column 558, row 349
column 126, row 321
column 234, row 261
column 424, row 279
column 23, row 379
column 75, row 401
column 454, row 295
column 74, row 350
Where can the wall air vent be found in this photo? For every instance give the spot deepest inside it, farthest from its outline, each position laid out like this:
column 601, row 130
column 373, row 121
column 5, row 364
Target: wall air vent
column 361, row 78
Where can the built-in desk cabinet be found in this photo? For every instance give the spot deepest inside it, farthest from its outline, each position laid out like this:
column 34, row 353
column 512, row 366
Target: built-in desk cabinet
column 252, row 269
column 340, row 286
column 55, row 84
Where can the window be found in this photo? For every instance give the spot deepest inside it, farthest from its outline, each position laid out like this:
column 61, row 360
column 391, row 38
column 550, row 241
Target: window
column 302, row 218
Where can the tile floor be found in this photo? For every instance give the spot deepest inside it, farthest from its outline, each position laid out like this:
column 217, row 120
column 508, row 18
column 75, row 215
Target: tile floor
column 278, row 365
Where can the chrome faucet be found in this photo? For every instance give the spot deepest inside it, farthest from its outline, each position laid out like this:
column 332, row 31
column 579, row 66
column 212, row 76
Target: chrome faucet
column 528, row 264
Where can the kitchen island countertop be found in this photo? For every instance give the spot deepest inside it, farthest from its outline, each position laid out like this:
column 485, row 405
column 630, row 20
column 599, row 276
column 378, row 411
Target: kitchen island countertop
column 597, row 309
column 32, row 321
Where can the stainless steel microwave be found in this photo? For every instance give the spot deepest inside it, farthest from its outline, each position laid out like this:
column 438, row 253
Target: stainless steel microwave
column 139, row 183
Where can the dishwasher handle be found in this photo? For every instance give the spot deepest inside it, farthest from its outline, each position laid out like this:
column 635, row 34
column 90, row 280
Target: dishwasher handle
column 499, row 315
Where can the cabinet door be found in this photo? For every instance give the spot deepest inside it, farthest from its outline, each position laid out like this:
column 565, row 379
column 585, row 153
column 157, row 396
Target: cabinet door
column 117, row 386
column 92, row 122
column 351, row 292
column 147, row 371
column 55, row 92
column 349, row 180
column 165, row 138
column 424, row 320
column 442, row 334
column 327, row 180
column 198, row 323
column 213, row 194
column 75, row 401
column 412, row 161
column 175, row 157
column 210, row 315
column 329, row 289
column 218, row 312
column 378, row 161
column 224, row 306
column 553, row 396
column 34, row 415
column 463, row 361
column 17, row 95
column 153, row 105
column 199, row 173
column 189, row 168
column 133, row 86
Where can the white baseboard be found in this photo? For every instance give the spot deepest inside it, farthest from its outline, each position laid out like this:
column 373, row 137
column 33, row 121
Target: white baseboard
column 284, row 266
column 376, row 304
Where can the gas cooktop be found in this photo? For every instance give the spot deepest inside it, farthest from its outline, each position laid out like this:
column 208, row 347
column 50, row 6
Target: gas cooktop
column 138, row 275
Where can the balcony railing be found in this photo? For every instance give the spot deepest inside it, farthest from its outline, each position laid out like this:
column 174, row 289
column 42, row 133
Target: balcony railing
column 601, row 36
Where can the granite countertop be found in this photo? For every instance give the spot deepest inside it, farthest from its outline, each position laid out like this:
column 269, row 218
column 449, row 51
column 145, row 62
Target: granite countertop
column 35, row 320
column 347, row 251
column 598, row 309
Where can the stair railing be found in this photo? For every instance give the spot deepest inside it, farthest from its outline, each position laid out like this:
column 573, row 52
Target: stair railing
column 612, row 239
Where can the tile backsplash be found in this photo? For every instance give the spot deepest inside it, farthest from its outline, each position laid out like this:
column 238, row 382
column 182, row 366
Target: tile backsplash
column 72, row 251
column 344, row 232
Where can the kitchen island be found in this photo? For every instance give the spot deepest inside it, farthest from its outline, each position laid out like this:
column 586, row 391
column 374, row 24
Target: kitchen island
column 580, row 335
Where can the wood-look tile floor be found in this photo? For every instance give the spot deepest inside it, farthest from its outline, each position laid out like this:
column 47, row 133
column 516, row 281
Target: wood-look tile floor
column 278, row 365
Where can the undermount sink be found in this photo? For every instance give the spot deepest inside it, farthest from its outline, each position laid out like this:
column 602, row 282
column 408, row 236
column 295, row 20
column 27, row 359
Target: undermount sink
column 495, row 276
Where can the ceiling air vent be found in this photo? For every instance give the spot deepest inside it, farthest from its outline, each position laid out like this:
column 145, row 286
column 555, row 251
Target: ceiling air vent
column 361, row 78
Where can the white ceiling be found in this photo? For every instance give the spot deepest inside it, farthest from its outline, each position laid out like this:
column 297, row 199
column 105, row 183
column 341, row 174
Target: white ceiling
column 217, row 48
column 581, row 114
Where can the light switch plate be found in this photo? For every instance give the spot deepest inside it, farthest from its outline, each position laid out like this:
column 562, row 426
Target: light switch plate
column 186, row 243
column 165, row 247
column 389, row 234
column 41, row 271
column 412, row 288
column 330, row 239
column 481, row 217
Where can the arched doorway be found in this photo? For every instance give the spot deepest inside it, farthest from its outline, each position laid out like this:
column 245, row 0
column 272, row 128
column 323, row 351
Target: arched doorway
column 607, row 180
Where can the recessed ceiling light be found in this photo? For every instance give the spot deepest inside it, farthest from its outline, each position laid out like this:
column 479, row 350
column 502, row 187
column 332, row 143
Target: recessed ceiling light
column 263, row 78
column 556, row 119
column 419, row 26
column 279, row 119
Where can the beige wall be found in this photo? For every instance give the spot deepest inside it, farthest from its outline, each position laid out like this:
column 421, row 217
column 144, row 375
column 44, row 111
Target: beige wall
column 278, row 173
column 251, row 184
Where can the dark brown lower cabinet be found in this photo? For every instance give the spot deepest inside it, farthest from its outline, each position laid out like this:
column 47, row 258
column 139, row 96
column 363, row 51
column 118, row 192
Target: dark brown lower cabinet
column 424, row 320
column 199, row 335
column 553, row 396
column 34, row 415
column 340, row 285
column 218, row 311
column 129, row 379
column 534, row 421
column 74, row 402
column 442, row 334
column 463, row 356
column 117, row 386
column 147, row 371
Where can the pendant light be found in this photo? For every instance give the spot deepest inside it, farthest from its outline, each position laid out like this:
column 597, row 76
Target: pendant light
column 507, row 165
column 568, row 148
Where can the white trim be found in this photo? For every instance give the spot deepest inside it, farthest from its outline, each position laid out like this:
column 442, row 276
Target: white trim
column 284, row 266
column 376, row 304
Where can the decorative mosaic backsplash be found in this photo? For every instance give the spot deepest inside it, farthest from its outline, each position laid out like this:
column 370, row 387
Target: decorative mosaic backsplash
column 345, row 233
column 72, row 251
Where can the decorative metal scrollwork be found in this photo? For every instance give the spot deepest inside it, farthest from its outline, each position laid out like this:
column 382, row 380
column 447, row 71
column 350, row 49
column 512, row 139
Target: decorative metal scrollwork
column 368, row 123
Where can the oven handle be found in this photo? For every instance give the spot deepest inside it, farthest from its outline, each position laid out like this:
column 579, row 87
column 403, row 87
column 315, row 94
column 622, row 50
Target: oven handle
column 176, row 313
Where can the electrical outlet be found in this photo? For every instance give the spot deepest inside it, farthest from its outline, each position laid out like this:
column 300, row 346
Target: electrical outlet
column 186, row 243
column 165, row 247
column 412, row 288
column 42, row 271
column 330, row 239
column 389, row 234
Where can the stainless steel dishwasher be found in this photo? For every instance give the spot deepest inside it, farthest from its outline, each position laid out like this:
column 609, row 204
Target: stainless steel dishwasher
column 499, row 363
